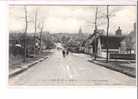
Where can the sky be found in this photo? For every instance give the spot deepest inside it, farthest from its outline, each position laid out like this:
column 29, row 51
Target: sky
column 68, row 19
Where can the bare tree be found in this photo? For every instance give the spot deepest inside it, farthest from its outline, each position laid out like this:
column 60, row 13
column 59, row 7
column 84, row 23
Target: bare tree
column 38, row 28
column 27, row 19
column 35, row 20
column 96, row 13
column 100, row 19
column 35, row 28
column 25, row 32
column 41, row 31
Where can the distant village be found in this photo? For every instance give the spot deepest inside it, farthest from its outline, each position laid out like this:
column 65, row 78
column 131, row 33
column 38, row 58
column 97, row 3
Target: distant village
column 119, row 45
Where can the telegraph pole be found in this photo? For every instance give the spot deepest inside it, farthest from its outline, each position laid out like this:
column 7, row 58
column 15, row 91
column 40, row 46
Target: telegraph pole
column 41, row 38
column 25, row 32
column 95, row 32
column 35, row 27
column 107, row 50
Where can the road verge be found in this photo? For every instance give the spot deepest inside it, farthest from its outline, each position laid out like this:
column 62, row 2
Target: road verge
column 130, row 71
column 25, row 67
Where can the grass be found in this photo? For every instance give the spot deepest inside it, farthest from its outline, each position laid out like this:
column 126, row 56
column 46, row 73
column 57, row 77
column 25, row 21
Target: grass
column 125, row 67
column 18, row 61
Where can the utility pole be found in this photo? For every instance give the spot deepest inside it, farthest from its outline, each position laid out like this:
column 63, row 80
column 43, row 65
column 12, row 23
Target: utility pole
column 35, row 27
column 25, row 33
column 107, row 34
column 41, row 38
column 95, row 32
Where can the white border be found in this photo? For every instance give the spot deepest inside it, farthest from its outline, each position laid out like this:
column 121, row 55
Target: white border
column 74, row 2
column 77, row 2
column 52, row 92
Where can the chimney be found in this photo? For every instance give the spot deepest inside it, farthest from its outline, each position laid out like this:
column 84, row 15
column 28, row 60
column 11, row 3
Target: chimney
column 118, row 32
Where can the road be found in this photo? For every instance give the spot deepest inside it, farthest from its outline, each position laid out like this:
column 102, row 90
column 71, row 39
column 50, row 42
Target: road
column 74, row 69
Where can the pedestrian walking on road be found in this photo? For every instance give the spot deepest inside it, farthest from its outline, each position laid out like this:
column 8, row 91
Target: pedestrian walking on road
column 63, row 53
column 67, row 52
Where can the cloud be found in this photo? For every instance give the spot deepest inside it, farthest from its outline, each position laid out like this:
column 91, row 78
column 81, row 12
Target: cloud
column 71, row 18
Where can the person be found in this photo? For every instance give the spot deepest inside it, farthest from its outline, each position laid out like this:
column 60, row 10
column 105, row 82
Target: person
column 63, row 52
column 67, row 52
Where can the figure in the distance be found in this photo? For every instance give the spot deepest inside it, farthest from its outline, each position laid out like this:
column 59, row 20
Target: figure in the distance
column 63, row 53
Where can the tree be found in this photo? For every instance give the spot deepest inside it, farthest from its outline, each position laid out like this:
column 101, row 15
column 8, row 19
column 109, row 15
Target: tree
column 25, row 32
column 65, row 39
column 41, row 31
column 100, row 19
column 27, row 21
column 38, row 29
column 47, row 40
column 35, row 29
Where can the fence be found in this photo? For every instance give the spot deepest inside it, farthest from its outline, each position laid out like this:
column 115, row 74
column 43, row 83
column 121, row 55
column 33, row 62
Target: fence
column 123, row 56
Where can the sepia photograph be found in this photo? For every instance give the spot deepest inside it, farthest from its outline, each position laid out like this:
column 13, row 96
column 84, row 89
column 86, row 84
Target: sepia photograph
column 72, row 45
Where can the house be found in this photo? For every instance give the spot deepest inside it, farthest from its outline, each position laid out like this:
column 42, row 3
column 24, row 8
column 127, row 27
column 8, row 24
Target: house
column 129, row 43
column 113, row 42
column 98, row 43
